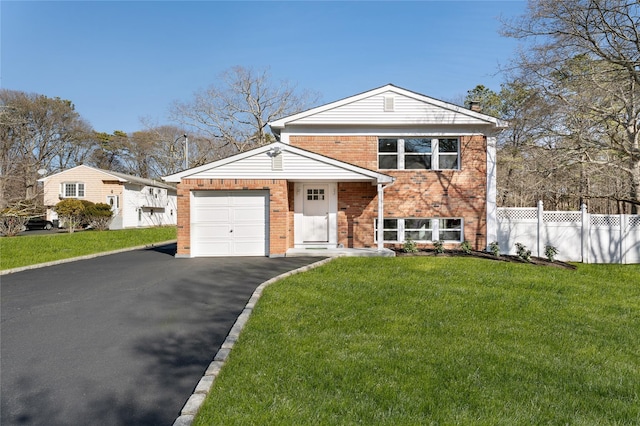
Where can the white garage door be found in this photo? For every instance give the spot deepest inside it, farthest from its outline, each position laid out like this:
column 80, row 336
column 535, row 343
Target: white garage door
column 229, row 223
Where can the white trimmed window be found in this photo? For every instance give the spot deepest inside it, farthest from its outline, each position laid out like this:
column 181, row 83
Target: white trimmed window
column 72, row 190
column 420, row 153
column 421, row 229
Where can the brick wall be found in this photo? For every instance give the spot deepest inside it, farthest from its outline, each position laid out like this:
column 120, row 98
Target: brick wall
column 280, row 209
column 361, row 151
column 418, row 193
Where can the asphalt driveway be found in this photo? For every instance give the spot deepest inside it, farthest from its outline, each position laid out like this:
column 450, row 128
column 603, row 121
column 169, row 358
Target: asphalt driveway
column 121, row 339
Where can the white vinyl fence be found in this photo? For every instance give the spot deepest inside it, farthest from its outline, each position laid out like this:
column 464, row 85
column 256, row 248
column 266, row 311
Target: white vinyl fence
column 579, row 236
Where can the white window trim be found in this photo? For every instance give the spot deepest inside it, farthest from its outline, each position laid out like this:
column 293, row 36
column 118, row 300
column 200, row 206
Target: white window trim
column 77, row 185
column 435, row 229
column 435, row 152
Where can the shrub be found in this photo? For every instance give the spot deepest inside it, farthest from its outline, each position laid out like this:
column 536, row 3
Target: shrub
column 12, row 224
column 494, row 248
column 98, row 216
column 409, row 246
column 438, row 246
column 71, row 212
column 466, row 247
column 14, row 218
column 523, row 253
column 550, row 252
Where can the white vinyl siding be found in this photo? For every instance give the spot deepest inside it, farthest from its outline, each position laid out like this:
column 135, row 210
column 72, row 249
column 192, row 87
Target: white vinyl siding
column 293, row 167
column 371, row 111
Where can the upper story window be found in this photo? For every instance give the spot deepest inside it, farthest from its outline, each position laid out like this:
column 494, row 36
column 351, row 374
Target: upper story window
column 423, row 153
column 72, row 190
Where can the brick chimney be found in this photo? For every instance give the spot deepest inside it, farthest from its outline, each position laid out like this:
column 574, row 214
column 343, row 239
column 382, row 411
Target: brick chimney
column 475, row 106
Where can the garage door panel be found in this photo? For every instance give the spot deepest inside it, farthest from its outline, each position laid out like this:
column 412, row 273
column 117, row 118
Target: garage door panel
column 248, row 231
column 213, row 215
column 248, row 215
column 213, row 249
column 229, row 223
column 205, row 199
column 247, row 249
column 208, row 232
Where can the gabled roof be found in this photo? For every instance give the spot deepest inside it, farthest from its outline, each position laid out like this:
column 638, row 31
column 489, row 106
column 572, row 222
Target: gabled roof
column 416, row 109
column 308, row 166
column 117, row 176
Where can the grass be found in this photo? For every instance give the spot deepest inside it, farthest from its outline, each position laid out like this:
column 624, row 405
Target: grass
column 28, row 250
column 440, row 341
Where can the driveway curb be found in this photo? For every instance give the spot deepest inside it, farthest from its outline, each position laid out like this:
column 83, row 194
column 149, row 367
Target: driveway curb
column 196, row 399
column 88, row 256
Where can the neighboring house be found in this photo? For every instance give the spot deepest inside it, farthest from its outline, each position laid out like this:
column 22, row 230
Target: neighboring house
column 422, row 168
column 136, row 202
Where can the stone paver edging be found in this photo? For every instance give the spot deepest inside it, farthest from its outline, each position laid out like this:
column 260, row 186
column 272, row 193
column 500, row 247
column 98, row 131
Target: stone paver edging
column 194, row 402
column 88, row 256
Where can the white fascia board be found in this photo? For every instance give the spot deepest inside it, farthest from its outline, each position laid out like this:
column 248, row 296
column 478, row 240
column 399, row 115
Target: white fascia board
column 93, row 169
column 379, row 177
column 46, row 178
column 368, row 174
column 281, row 123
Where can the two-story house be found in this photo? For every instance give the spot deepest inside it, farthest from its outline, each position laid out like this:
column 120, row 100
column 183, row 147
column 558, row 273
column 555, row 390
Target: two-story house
column 369, row 171
column 136, row 202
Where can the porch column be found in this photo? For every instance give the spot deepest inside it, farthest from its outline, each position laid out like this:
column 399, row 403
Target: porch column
column 492, row 192
column 380, row 216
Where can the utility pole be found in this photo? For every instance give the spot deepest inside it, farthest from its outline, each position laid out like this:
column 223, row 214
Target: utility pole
column 186, row 152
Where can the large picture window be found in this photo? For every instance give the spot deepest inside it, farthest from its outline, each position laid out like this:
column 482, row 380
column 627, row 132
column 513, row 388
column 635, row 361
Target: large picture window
column 423, row 153
column 72, row 190
column 421, row 229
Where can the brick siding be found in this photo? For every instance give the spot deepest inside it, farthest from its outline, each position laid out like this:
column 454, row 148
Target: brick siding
column 280, row 209
column 416, row 193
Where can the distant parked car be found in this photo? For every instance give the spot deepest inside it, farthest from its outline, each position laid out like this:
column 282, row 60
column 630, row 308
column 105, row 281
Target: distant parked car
column 39, row 223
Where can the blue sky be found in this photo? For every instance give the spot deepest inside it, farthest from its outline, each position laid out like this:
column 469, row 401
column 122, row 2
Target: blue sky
column 121, row 61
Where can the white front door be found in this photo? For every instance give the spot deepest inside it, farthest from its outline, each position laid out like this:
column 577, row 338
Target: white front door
column 112, row 200
column 315, row 213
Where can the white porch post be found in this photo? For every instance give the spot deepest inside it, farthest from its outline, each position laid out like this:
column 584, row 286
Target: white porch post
column 492, row 192
column 380, row 217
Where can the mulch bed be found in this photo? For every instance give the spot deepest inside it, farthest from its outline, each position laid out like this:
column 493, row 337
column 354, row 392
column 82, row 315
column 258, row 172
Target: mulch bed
column 539, row 261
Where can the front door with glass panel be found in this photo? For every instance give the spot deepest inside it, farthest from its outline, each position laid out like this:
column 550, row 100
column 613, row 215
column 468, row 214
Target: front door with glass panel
column 112, row 200
column 315, row 213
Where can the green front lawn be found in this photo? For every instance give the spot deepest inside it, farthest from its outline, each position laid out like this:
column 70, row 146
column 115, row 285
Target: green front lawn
column 28, row 250
column 428, row 340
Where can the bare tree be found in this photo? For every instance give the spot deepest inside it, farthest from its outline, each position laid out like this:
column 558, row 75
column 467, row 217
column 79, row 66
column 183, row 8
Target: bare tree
column 235, row 111
column 159, row 151
column 37, row 133
column 582, row 57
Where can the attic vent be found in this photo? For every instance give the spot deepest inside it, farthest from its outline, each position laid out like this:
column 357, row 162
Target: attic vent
column 276, row 162
column 388, row 103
